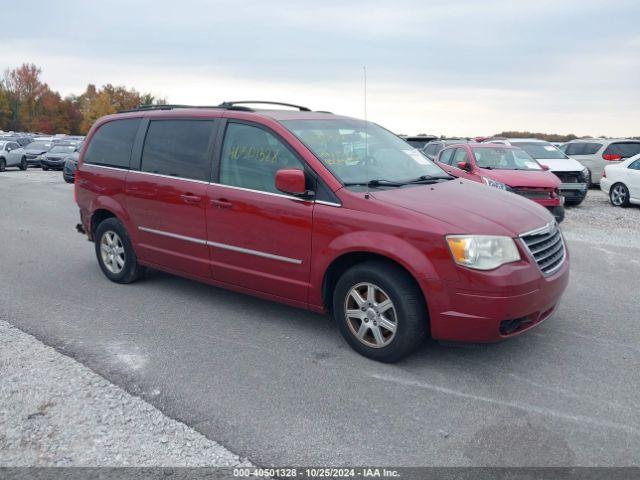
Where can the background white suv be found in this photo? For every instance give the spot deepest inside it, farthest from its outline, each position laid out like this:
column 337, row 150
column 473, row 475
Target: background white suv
column 596, row 153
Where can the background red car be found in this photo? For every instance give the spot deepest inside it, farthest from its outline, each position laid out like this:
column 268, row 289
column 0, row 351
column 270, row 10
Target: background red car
column 505, row 167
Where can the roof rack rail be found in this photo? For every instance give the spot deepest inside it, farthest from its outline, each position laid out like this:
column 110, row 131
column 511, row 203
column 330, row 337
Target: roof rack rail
column 237, row 105
column 150, row 107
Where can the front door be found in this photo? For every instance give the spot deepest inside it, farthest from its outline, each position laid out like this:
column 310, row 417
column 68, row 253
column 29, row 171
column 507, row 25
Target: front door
column 167, row 197
column 258, row 237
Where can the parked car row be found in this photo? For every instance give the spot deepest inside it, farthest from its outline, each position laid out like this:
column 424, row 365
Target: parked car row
column 49, row 152
column 578, row 165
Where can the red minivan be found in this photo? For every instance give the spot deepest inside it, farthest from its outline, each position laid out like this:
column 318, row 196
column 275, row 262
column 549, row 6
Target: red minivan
column 322, row 212
column 507, row 168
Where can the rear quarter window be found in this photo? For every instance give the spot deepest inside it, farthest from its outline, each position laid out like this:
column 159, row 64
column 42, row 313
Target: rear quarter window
column 624, row 149
column 111, row 145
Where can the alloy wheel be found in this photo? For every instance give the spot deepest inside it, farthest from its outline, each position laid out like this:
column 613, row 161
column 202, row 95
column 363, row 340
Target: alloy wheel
column 112, row 252
column 619, row 195
column 370, row 315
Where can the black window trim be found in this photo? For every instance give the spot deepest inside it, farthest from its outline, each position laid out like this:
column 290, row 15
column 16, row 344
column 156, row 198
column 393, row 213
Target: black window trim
column 141, row 137
column 133, row 147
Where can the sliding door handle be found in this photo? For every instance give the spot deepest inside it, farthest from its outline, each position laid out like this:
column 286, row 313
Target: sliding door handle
column 221, row 203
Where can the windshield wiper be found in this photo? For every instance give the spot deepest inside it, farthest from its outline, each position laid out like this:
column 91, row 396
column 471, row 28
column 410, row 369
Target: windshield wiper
column 430, row 178
column 376, row 183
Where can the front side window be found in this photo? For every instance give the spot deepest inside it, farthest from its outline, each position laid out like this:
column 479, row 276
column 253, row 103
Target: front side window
column 445, row 156
column 500, row 158
column 358, row 152
column 179, row 148
column 459, row 156
column 251, row 156
column 111, row 145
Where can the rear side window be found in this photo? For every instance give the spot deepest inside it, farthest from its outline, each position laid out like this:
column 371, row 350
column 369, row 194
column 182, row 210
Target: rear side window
column 624, row 149
column 251, row 157
column 635, row 165
column 582, row 148
column 179, row 148
column 111, row 145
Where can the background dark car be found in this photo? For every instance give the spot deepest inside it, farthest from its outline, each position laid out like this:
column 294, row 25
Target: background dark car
column 419, row 141
column 34, row 151
column 54, row 159
column 21, row 140
column 70, row 166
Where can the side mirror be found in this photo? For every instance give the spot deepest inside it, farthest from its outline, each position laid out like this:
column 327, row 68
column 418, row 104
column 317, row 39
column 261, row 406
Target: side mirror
column 463, row 165
column 291, row 181
column 545, row 167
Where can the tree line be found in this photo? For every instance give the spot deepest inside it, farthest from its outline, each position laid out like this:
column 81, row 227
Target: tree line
column 27, row 104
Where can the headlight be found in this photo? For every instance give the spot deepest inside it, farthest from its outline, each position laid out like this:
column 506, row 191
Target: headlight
column 482, row 252
column 495, row 184
column 585, row 174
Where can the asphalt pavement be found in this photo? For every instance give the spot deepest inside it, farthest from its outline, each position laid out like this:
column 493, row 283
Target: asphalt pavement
column 281, row 387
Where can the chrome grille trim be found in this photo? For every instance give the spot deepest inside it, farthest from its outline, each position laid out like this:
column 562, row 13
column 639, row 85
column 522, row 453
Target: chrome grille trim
column 546, row 247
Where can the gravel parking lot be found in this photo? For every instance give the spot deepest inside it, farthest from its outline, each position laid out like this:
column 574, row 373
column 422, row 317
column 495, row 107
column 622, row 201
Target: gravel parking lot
column 280, row 386
column 56, row 412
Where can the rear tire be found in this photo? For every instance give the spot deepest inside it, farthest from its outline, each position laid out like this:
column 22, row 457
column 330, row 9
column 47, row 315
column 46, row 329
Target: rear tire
column 115, row 253
column 45, row 168
column 619, row 195
column 23, row 164
column 380, row 311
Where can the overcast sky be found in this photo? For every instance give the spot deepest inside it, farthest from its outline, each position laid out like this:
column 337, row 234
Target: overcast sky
column 451, row 67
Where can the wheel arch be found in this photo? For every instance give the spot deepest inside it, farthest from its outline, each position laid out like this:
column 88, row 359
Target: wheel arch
column 347, row 260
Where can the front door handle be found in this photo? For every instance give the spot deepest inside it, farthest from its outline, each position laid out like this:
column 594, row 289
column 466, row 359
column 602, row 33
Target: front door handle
column 190, row 199
column 221, row 203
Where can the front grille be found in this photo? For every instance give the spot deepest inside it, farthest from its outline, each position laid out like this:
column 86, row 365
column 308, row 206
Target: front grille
column 546, row 247
column 534, row 193
column 570, row 177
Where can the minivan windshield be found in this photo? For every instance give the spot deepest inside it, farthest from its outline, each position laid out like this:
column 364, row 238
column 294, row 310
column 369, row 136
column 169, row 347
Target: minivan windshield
column 540, row 150
column 359, row 152
column 501, row 158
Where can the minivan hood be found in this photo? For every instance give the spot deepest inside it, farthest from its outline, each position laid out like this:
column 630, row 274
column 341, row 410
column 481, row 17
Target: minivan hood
column 561, row 164
column 470, row 207
column 523, row 178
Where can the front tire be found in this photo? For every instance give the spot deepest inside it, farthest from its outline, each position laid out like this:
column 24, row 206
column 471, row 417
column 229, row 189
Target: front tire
column 3, row 164
column 380, row 311
column 23, row 164
column 115, row 254
column 45, row 168
column 619, row 195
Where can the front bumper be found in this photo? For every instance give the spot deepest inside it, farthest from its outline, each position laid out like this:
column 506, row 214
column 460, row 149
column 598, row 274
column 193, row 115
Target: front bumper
column 33, row 160
column 605, row 185
column 574, row 191
column 521, row 298
column 45, row 162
